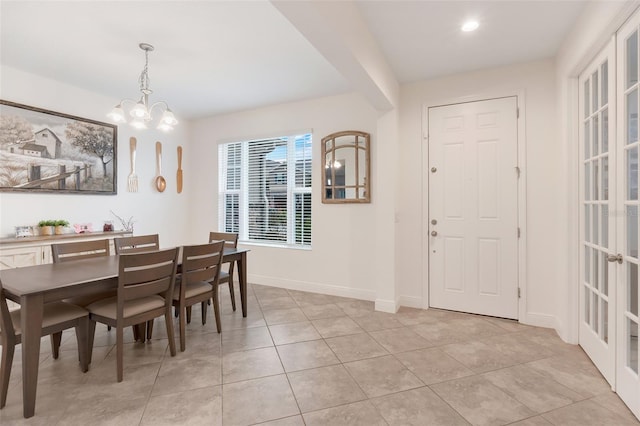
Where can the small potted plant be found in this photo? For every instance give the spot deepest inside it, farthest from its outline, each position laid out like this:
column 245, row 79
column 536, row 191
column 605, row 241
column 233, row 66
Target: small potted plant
column 46, row 227
column 60, row 224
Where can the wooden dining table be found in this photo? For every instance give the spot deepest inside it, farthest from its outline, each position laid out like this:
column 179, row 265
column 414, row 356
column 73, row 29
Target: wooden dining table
column 34, row 286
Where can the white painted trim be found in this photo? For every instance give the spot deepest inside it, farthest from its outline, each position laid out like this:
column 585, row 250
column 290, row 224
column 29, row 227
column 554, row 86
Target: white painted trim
column 333, row 290
column 389, row 306
column 540, row 320
column 519, row 94
column 411, row 302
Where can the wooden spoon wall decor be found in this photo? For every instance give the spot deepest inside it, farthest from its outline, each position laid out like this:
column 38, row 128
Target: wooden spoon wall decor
column 161, row 183
column 179, row 174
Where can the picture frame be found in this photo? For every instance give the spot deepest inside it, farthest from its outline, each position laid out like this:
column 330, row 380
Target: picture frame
column 47, row 151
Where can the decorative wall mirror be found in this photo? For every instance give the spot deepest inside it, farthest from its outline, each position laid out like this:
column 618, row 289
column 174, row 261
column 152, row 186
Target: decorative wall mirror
column 345, row 168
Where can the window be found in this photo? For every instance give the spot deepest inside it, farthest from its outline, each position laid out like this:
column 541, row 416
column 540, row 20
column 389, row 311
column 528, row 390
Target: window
column 265, row 190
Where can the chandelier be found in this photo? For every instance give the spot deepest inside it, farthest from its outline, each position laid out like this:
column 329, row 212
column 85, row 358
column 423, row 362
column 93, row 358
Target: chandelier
column 141, row 111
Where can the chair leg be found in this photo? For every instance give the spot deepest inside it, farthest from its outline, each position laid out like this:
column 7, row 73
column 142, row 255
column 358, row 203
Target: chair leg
column 188, row 314
column 82, row 337
column 91, row 334
column 231, row 292
column 5, row 370
column 169, row 322
column 56, row 338
column 108, row 328
column 119, row 353
column 203, row 307
column 136, row 332
column 216, row 309
column 149, row 329
column 183, row 328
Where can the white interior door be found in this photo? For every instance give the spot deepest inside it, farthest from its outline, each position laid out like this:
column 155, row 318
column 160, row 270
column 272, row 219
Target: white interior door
column 627, row 379
column 597, row 235
column 473, row 207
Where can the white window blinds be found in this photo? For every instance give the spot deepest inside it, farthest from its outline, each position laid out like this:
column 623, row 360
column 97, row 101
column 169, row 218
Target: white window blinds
column 265, row 190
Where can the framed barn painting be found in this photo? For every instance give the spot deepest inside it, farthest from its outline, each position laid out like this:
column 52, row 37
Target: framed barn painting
column 46, row 151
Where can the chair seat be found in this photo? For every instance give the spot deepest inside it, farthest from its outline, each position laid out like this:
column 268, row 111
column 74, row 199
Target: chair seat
column 90, row 298
column 53, row 313
column 193, row 289
column 107, row 308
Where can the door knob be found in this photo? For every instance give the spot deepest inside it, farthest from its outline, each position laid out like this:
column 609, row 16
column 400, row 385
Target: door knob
column 434, row 222
column 433, row 170
column 615, row 258
column 434, row 233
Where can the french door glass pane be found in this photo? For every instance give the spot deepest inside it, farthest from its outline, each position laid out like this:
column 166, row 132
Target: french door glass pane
column 587, row 223
column 604, row 72
column 632, row 173
column 632, row 294
column 587, row 265
column 605, row 275
column 596, row 317
column 587, row 98
column 587, row 140
column 632, row 116
column 605, row 130
column 594, row 81
column 605, row 226
column 596, row 180
column 596, row 271
column 632, row 60
column 587, row 185
column 605, row 178
column 632, row 231
column 632, row 345
column 595, row 224
column 596, row 133
column 587, row 305
column 605, row 318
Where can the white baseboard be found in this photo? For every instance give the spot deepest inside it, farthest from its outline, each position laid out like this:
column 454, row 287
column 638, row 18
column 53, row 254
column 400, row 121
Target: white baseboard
column 539, row 320
column 411, row 302
column 333, row 290
column 389, row 306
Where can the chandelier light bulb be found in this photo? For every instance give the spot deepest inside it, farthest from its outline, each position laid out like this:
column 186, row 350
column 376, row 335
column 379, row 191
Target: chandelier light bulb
column 470, row 26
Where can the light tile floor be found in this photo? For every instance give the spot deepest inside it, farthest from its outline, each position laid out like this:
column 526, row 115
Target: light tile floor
column 301, row 358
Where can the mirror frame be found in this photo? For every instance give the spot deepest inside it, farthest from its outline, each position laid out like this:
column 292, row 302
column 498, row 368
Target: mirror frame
column 366, row 185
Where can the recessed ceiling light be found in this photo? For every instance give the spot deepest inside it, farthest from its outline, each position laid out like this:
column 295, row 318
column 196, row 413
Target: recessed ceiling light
column 470, row 26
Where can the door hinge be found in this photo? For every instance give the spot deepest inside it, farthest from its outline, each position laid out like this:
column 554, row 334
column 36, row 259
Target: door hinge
column 517, row 112
column 518, row 232
column 519, row 296
column 518, row 171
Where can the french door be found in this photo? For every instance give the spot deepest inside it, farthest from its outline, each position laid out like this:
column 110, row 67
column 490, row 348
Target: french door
column 597, row 158
column 609, row 106
column 627, row 379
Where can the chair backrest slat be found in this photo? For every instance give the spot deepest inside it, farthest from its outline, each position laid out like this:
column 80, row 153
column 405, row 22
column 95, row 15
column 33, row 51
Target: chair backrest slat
column 201, row 263
column 79, row 250
column 230, row 238
column 146, row 274
column 138, row 244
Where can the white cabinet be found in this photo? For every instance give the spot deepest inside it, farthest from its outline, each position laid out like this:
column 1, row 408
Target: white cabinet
column 30, row 251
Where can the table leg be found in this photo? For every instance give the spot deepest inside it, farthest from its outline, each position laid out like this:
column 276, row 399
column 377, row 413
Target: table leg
column 242, row 278
column 31, row 324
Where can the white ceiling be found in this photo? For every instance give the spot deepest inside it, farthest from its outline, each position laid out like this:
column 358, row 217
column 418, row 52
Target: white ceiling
column 213, row 57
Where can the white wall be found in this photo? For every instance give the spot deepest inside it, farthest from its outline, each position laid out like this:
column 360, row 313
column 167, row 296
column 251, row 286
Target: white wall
column 343, row 258
column 543, row 169
column 163, row 213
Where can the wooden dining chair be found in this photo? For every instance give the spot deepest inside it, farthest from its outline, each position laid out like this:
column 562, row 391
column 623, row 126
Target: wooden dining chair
column 230, row 241
column 138, row 244
column 198, row 283
column 77, row 251
column 57, row 316
column 145, row 292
